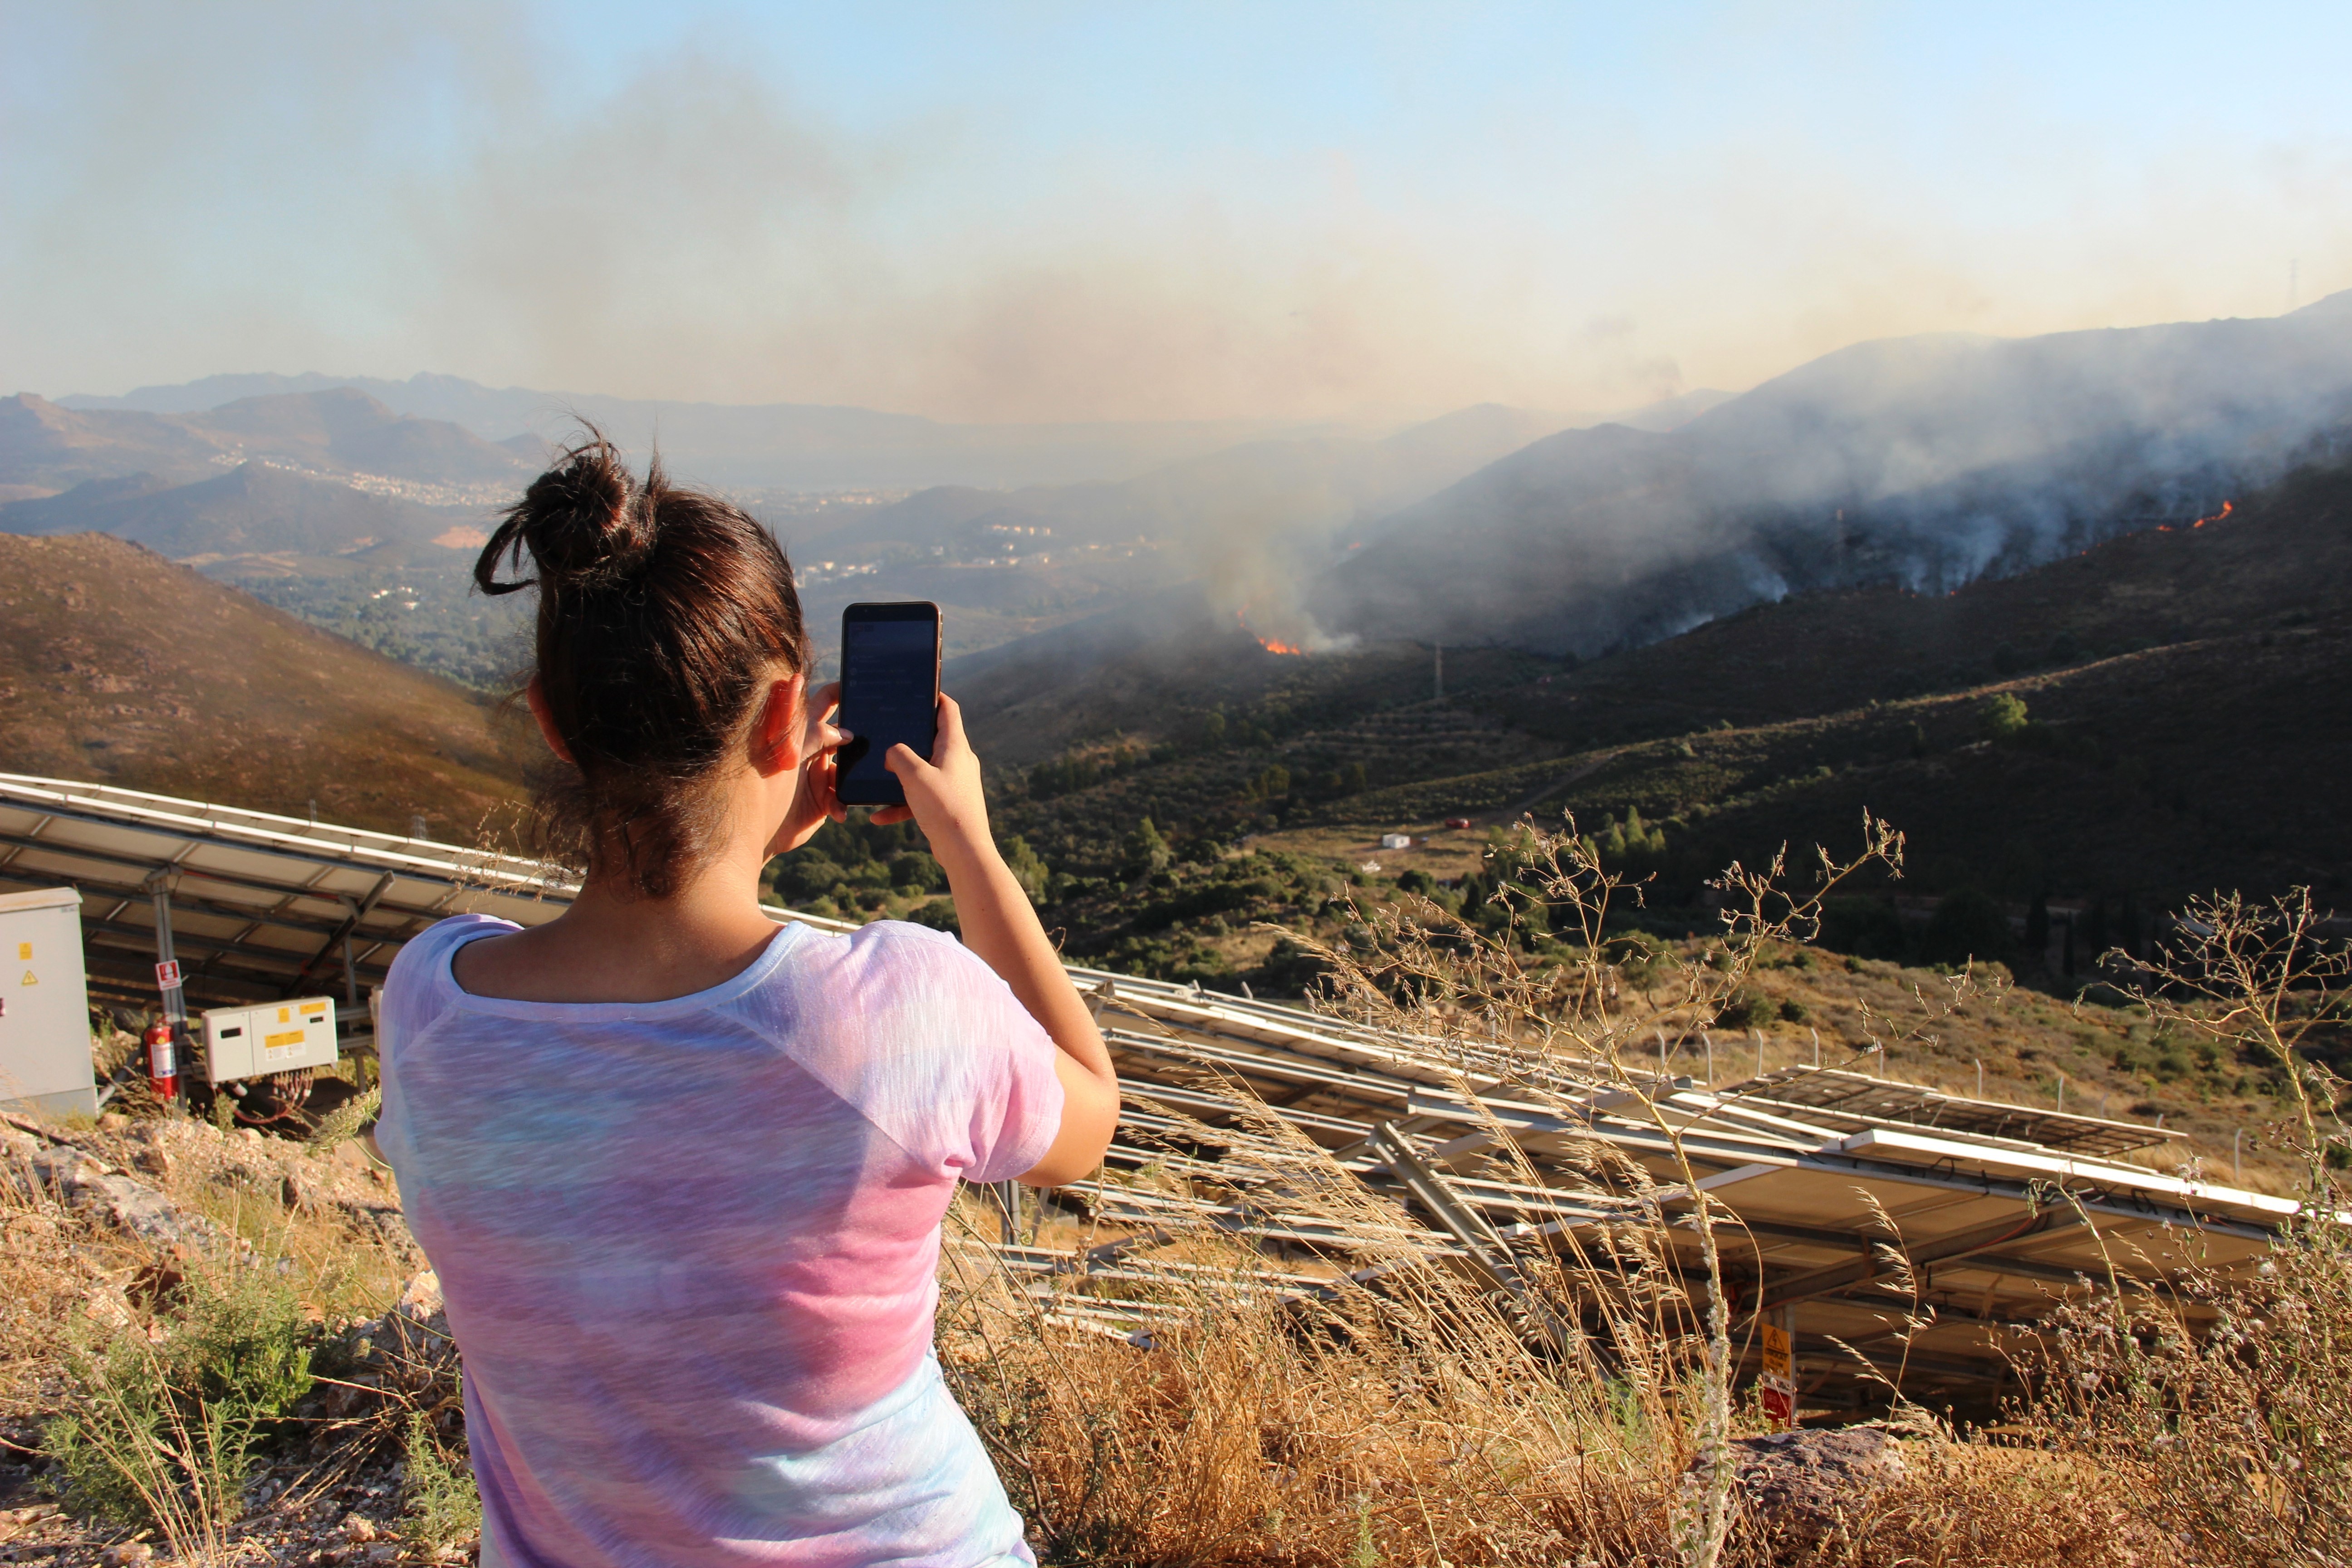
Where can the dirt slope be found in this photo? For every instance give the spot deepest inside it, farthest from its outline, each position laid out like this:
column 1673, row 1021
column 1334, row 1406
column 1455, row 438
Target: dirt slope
column 119, row 667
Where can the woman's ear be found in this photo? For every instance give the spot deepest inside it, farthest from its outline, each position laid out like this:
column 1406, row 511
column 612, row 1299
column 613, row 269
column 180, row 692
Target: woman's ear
column 776, row 737
column 536, row 695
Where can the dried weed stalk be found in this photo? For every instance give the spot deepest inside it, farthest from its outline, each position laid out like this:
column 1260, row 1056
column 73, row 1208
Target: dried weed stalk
column 2226, row 1399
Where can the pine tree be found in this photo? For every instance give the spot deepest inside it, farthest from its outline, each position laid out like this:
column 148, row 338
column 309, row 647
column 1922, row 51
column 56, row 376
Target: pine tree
column 1147, row 851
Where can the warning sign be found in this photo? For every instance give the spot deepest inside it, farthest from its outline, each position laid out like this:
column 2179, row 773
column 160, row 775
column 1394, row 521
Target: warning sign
column 167, row 975
column 1778, row 1385
column 30, row 979
column 24, row 953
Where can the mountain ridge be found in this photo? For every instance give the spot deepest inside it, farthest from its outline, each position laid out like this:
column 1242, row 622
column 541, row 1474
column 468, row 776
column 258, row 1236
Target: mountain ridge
column 338, row 432
column 2182, row 682
column 253, row 509
column 1927, row 461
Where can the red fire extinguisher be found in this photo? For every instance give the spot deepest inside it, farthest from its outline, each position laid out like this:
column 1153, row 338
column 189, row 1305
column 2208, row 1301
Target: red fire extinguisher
column 163, row 1061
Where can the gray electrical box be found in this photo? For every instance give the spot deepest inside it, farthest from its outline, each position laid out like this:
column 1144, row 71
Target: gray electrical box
column 276, row 1037
column 45, row 1065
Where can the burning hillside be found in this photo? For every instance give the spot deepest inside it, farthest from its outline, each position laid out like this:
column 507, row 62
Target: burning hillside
column 1271, row 645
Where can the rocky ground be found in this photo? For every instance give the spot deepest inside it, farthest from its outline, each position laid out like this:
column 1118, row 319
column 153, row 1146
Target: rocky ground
column 102, row 1226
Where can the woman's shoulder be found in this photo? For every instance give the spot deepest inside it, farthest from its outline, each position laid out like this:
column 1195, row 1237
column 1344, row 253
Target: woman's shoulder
column 421, row 967
column 890, row 945
column 886, row 967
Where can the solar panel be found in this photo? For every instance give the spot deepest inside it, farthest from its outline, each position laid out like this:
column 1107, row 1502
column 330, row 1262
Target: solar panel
column 1808, row 1165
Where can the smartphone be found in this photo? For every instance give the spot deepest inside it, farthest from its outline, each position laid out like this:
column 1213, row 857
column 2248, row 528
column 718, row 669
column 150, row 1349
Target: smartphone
column 890, row 693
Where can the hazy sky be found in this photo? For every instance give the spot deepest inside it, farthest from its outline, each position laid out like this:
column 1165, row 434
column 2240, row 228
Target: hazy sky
column 1124, row 210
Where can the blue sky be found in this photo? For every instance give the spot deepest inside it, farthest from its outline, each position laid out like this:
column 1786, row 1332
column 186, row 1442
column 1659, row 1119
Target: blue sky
column 1072, row 212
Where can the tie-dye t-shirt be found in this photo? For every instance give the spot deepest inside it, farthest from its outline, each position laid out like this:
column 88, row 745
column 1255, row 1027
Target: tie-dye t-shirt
column 689, row 1247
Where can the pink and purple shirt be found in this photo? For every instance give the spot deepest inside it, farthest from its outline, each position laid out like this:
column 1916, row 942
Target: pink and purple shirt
column 689, row 1247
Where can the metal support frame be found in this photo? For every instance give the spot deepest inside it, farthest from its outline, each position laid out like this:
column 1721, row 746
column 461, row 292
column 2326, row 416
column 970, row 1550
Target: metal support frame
column 1007, row 1195
column 1885, row 1259
column 354, row 912
column 1489, row 1253
column 175, row 997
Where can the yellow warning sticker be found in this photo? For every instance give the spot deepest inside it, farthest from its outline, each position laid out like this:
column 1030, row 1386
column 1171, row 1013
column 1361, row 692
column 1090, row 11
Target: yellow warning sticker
column 29, row 979
column 272, row 1042
column 24, row 953
column 286, row 1015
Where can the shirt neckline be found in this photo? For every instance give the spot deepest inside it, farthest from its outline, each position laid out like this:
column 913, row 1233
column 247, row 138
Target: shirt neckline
column 788, row 934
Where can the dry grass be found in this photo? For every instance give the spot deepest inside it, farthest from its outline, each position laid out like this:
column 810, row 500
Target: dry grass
column 1412, row 1426
column 1408, row 1426
column 1577, row 1407
column 1571, row 1405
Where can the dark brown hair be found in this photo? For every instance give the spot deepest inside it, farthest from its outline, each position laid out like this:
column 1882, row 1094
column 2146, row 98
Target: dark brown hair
column 663, row 612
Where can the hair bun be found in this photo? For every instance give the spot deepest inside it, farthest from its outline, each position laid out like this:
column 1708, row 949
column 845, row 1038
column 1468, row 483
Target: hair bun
column 585, row 522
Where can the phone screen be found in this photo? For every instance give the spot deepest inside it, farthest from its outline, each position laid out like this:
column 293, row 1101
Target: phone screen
column 890, row 693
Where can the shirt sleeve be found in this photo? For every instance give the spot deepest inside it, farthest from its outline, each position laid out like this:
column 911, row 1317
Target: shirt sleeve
column 929, row 1045
column 1017, row 1096
column 414, row 996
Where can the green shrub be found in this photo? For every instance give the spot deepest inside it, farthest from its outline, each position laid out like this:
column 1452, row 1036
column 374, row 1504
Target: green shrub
column 940, row 914
column 2003, row 716
column 1289, row 969
column 1027, row 867
column 442, row 1506
column 917, row 869
column 1147, row 851
column 1637, row 955
column 804, row 875
column 162, row 1433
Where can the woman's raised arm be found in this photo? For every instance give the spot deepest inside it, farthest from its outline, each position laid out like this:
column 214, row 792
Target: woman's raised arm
column 944, row 796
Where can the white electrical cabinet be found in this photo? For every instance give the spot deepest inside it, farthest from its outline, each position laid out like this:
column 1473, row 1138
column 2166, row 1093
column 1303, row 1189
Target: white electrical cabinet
column 276, row 1036
column 45, row 1064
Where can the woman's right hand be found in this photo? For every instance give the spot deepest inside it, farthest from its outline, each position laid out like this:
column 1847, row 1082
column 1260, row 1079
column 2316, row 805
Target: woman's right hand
column 944, row 795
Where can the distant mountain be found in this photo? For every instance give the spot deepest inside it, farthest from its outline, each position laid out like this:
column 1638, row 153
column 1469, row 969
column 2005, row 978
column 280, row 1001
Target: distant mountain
column 1925, row 461
column 118, row 667
column 1243, row 511
column 781, row 444
column 1671, row 413
column 813, row 446
column 344, row 429
column 2281, row 560
column 336, row 432
column 45, row 446
column 251, row 511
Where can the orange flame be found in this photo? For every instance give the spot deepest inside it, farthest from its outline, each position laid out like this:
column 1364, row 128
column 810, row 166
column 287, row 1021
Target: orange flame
column 1271, row 645
column 2227, row 508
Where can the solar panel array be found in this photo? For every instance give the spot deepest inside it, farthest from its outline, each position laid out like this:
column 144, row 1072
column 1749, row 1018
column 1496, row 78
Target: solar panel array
column 1242, row 1111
